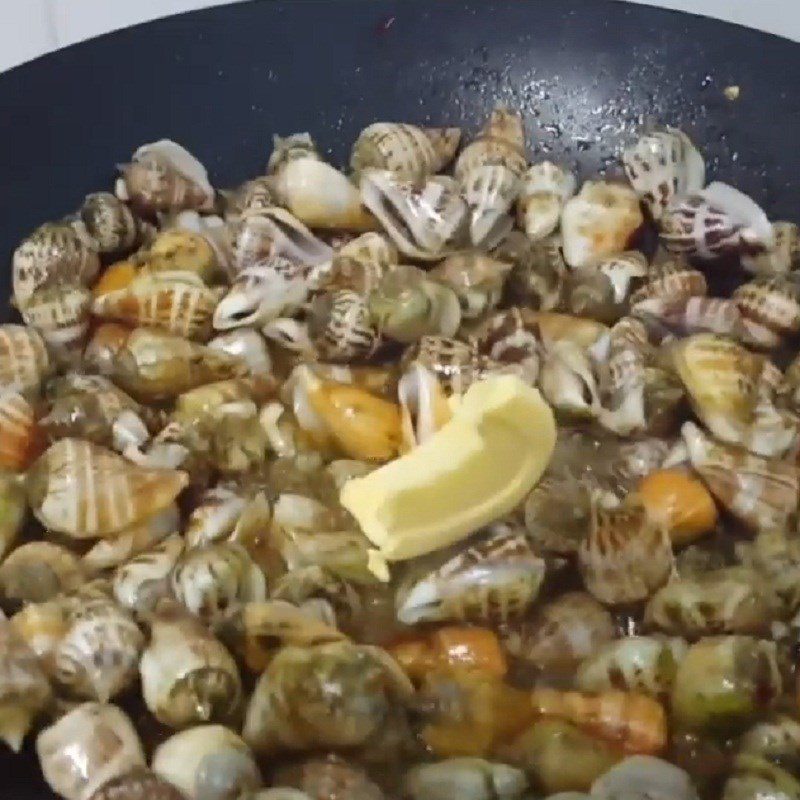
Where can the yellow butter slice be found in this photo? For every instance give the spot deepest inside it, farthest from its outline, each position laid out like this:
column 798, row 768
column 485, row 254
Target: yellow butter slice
column 477, row 468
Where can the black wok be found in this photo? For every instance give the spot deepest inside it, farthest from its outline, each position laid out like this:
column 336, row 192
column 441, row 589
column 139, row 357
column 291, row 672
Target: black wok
column 586, row 73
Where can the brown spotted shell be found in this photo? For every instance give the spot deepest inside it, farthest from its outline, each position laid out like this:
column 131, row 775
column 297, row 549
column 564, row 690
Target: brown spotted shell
column 512, row 337
column 54, row 253
column 561, row 633
column 670, row 280
column 24, row 361
column 252, row 196
column 188, row 676
column 61, row 314
column 717, row 221
column 425, row 219
column 782, row 257
column 789, row 387
column 138, row 784
column 494, row 579
column 661, row 165
column 20, row 436
column 728, row 600
column 38, row 571
column 293, row 147
column 372, row 248
column 360, row 264
column 456, row 364
column 341, row 326
column 144, row 579
column 109, row 223
column 691, row 315
column 163, row 176
column 501, row 142
column 720, row 377
column 545, row 188
column 626, row 555
column 772, row 302
column 762, row 493
column 86, row 491
column 599, row 221
column 175, row 302
column 211, row 579
column 623, row 377
column 88, row 406
column 24, row 688
column 406, row 150
column 98, row 655
column 557, row 513
column 154, row 365
column 87, row 747
column 329, row 778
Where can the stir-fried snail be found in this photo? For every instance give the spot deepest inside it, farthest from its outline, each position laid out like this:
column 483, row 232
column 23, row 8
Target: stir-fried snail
column 187, row 674
column 98, row 654
column 86, row 748
column 440, row 473
column 331, row 695
column 24, row 688
column 209, row 762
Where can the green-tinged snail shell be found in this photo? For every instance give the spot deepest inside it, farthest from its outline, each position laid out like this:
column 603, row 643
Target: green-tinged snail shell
column 332, row 695
column 724, row 682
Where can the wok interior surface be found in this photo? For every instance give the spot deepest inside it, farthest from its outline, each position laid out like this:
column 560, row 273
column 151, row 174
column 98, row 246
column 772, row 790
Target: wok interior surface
column 586, row 74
